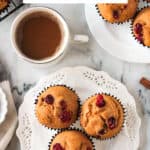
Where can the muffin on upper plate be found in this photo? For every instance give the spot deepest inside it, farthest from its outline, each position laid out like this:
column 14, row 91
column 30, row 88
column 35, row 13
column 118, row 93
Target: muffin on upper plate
column 71, row 140
column 3, row 4
column 118, row 13
column 57, row 107
column 102, row 116
column 141, row 26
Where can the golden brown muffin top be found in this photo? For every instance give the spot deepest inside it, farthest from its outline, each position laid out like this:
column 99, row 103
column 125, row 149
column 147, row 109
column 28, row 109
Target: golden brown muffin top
column 57, row 107
column 71, row 140
column 3, row 4
column 141, row 26
column 102, row 116
column 116, row 13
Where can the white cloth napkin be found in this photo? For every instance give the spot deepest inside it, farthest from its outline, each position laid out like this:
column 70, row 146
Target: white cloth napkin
column 9, row 125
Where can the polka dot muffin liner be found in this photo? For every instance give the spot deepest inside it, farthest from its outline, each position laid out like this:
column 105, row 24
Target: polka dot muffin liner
column 132, row 28
column 5, row 8
column 78, row 111
column 117, row 23
column 72, row 129
column 124, row 116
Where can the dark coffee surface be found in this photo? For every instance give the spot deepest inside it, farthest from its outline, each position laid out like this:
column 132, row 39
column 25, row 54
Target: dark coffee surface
column 41, row 37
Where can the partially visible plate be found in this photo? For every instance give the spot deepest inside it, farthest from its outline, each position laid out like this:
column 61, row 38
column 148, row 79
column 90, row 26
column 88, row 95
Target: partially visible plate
column 9, row 118
column 116, row 39
column 3, row 106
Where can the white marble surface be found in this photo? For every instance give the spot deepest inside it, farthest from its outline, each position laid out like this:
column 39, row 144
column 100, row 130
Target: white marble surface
column 90, row 54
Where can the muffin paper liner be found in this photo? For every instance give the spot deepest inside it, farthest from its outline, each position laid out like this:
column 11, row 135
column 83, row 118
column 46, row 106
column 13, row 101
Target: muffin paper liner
column 72, row 129
column 6, row 7
column 118, row 23
column 146, row 1
column 124, row 116
column 131, row 26
column 78, row 111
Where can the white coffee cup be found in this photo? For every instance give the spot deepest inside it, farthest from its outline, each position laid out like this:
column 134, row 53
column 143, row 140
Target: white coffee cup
column 65, row 39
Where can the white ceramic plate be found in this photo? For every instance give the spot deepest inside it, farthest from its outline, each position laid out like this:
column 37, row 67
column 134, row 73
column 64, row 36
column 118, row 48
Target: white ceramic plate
column 85, row 82
column 3, row 106
column 116, row 39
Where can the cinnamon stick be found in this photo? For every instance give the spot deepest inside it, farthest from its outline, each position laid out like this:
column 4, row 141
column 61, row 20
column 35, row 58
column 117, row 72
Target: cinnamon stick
column 145, row 82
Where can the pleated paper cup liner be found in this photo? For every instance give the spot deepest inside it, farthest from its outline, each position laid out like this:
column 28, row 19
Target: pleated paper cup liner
column 6, row 7
column 124, row 116
column 132, row 28
column 72, row 129
column 147, row 1
column 78, row 111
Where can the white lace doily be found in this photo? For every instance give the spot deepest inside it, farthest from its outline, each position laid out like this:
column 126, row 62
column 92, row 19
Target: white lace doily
column 86, row 82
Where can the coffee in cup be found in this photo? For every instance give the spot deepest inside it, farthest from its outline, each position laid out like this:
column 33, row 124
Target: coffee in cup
column 39, row 35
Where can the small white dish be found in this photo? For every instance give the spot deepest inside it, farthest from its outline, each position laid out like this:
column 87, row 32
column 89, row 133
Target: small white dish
column 3, row 106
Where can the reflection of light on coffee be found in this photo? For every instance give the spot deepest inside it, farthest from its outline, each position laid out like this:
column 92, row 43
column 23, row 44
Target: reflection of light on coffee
column 39, row 36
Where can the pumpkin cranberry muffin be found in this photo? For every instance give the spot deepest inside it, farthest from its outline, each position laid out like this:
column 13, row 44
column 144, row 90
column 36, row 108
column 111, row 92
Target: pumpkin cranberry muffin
column 118, row 13
column 71, row 140
column 102, row 116
column 57, row 107
column 3, row 4
column 141, row 26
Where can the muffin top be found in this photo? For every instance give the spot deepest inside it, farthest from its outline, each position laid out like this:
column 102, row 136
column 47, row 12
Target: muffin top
column 102, row 116
column 116, row 13
column 71, row 140
column 57, row 107
column 141, row 26
column 3, row 4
